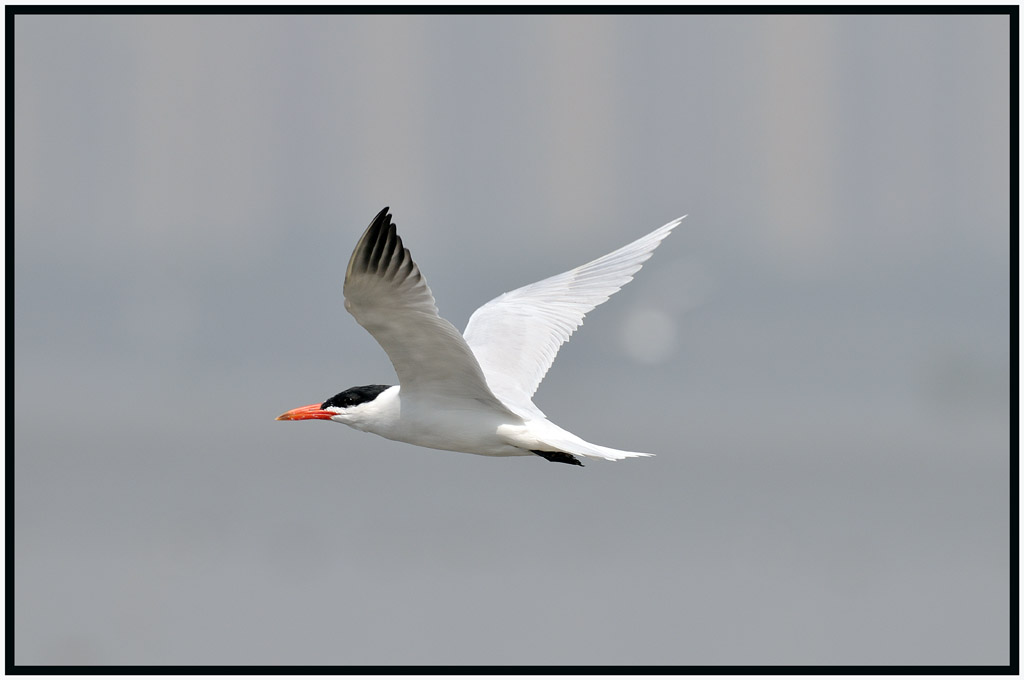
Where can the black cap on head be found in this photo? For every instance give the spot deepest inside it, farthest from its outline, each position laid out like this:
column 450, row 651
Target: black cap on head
column 353, row 396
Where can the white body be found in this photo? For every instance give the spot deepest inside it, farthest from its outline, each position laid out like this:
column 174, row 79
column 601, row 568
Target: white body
column 473, row 393
column 455, row 427
column 450, row 427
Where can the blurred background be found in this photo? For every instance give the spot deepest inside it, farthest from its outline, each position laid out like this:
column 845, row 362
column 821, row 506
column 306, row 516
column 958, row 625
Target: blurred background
column 819, row 355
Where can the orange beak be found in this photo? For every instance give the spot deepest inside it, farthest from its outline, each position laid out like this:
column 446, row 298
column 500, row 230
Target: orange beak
column 311, row 412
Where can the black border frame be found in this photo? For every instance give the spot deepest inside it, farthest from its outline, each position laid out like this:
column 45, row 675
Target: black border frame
column 1012, row 668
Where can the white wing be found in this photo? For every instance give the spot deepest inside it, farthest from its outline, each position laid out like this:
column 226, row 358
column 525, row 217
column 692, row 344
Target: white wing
column 516, row 336
column 388, row 296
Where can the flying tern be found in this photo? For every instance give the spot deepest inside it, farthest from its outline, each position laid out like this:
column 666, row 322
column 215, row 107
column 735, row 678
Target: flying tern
column 469, row 392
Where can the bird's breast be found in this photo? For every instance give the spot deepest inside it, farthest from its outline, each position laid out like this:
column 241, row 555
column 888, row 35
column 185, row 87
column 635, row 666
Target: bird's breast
column 453, row 425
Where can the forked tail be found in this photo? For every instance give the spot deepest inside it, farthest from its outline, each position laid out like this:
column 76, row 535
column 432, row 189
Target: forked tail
column 566, row 442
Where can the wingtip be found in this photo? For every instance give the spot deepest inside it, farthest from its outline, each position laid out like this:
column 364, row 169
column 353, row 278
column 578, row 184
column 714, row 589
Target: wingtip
column 666, row 228
column 361, row 255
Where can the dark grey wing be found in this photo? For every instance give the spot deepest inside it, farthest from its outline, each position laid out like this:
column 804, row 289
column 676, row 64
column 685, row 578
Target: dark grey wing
column 388, row 296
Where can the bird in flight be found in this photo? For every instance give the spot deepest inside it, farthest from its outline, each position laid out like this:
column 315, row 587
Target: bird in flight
column 470, row 392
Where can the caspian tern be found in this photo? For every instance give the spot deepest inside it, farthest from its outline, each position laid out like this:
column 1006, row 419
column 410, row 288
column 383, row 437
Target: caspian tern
column 469, row 392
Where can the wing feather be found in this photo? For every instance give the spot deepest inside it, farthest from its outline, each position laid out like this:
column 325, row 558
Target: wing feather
column 516, row 336
column 388, row 296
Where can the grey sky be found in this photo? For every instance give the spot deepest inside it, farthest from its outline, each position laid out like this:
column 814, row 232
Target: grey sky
column 818, row 355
